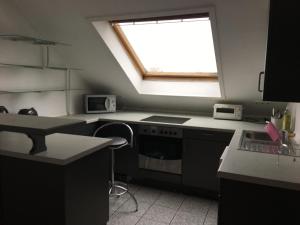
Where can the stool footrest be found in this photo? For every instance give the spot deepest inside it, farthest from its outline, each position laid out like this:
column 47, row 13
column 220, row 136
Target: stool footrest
column 117, row 189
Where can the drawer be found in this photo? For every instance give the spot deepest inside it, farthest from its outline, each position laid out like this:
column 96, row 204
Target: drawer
column 212, row 135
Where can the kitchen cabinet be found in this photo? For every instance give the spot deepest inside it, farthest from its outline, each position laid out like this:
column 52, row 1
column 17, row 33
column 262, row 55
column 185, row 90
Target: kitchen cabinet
column 249, row 203
column 201, row 153
column 282, row 58
column 57, row 186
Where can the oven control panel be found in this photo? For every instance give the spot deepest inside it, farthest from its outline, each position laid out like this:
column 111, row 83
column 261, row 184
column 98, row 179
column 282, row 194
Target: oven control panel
column 160, row 131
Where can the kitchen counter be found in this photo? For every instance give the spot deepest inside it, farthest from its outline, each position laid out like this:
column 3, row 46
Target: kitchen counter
column 62, row 149
column 195, row 121
column 56, row 186
column 254, row 167
column 260, row 168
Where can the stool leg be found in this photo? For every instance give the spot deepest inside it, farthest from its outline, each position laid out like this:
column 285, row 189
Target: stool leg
column 135, row 201
column 112, row 191
column 115, row 185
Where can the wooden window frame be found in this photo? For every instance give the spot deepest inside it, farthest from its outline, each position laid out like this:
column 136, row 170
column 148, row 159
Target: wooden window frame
column 159, row 75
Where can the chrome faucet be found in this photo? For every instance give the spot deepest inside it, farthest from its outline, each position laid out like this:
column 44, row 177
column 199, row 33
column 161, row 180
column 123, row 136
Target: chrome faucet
column 285, row 145
column 284, row 138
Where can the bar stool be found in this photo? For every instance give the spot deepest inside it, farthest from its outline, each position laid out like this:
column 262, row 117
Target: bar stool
column 109, row 130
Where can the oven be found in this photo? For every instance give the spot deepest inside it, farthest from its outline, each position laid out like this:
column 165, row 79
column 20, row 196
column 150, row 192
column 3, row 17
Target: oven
column 160, row 149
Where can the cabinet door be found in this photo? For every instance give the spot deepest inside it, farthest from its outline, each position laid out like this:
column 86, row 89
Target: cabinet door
column 201, row 162
column 282, row 60
column 126, row 161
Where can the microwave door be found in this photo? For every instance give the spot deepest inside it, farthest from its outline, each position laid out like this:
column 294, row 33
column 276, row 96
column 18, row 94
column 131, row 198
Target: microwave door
column 107, row 103
column 96, row 104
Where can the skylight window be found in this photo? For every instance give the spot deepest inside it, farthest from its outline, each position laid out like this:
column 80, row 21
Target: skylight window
column 168, row 47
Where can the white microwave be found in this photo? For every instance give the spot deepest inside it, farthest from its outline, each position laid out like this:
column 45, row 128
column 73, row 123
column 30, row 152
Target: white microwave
column 228, row 111
column 99, row 103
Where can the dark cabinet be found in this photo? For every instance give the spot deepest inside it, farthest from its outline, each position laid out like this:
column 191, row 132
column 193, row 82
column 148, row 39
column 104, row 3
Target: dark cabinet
column 40, row 193
column 282, row 59
column 126, row 161
column 201, row 153
column 249, row 203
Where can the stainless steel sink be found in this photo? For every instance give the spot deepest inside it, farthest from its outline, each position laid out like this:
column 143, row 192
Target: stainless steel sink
column 261, row 142
column 257, row 136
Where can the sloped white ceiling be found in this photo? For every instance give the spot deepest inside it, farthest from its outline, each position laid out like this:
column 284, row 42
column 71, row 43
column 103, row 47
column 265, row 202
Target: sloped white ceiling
column 242, row 29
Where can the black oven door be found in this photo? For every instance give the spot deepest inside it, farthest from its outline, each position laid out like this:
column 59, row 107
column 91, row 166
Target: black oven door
column 159, row 153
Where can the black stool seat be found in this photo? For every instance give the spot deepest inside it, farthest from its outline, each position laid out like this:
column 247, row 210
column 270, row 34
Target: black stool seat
column 118, row 141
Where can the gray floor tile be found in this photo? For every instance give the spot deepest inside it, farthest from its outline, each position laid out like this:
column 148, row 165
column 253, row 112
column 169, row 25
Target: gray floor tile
column 210, row 221
column 160, row 214
column 123, row 219
column 213, row 210
column 144, row 221
column 115, row 203
column 170, row 200
column 195, row 205
column 129, row 207
column 162, row 208
column 133, row 188
column 148, row 195
column 111, row 211
column 184, row 218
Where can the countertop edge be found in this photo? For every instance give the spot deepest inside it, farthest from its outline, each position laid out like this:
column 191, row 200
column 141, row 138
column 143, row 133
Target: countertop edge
column 259, row 181
column 42, row 157
column 86, row 153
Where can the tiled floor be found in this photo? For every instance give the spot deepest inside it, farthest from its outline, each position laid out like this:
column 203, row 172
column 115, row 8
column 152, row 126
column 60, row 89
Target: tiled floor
column 162, row 208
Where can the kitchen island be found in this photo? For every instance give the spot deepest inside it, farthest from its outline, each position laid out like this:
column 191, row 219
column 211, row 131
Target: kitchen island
column 65, row 185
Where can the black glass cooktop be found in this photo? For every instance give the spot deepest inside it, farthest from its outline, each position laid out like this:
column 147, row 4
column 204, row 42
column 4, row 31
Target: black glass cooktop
column 166, row 119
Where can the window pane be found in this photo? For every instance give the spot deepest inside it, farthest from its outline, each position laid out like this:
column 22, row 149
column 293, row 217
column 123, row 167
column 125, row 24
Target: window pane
column 173, row 46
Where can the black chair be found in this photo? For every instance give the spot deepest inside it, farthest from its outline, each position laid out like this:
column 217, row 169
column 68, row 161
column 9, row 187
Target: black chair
column 113, row 130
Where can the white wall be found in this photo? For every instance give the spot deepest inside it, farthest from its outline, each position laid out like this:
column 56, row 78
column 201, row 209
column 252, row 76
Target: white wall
column 241, row 25
column 13, row 79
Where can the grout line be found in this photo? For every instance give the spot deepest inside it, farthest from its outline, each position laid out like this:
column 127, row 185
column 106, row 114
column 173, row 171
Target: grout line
column 160, row 193
column 207, row 213
column 148, row 208
column 116, row 211
column 178, row 209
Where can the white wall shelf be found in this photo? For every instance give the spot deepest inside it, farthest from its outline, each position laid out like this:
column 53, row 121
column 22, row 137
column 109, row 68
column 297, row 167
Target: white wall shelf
column 29, row 91
column 45, row 45
column 31, row 40
column 37, row 67
column 37, row 91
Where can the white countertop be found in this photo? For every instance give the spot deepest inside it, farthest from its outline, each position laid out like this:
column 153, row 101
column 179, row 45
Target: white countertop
column 194, row 122
column 35, row 124
column 62, row 149
column 260, row 168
